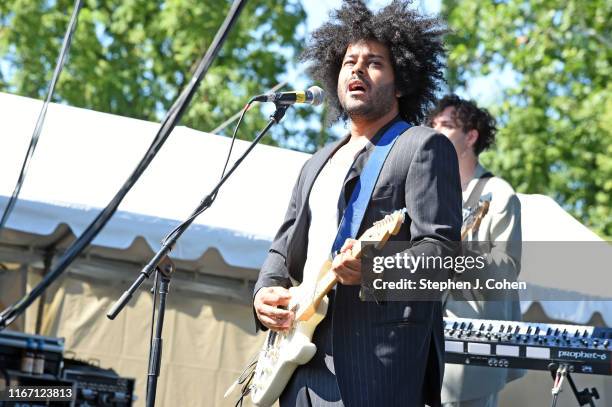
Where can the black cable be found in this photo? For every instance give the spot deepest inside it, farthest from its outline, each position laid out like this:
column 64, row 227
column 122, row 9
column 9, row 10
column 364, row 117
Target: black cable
column 42, row 114
column 168, row 123
column 214, row 196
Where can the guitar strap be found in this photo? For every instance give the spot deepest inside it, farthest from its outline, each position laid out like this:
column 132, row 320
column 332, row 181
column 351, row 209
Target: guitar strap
column 360, row 198
column 472, row 200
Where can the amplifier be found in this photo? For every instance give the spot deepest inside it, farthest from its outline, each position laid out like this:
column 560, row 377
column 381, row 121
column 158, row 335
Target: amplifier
column 97, row 386
column 14, row 345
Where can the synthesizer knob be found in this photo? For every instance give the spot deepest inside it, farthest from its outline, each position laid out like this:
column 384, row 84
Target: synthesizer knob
column 548, row 331
column 501, row 328
column 455, row 325
column 577, row 334
column 585, row 334
column 606, row 343
column 537, row 330
column 557, row 332
column 517, row 329
column 490, row 327
column 470, row 326
column 529, row 330
column 462, row 325
column 595, row 343
column 482, row 327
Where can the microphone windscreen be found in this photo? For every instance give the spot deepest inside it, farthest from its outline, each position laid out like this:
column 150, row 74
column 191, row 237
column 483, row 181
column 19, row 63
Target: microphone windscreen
column 318, row 95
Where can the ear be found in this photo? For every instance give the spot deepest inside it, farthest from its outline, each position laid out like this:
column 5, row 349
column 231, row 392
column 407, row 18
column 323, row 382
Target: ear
column 472, row 138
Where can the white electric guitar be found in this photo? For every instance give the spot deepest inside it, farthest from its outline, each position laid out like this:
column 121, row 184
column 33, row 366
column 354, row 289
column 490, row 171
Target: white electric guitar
column 284, row 351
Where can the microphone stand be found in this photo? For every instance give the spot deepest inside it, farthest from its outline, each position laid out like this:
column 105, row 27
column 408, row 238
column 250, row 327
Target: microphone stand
column 161, row 264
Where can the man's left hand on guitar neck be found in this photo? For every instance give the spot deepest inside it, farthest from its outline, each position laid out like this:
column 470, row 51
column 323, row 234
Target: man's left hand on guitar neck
column 346, row 267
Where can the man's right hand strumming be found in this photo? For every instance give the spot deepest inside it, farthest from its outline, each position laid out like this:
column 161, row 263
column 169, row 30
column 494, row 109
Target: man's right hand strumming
column 267, row 302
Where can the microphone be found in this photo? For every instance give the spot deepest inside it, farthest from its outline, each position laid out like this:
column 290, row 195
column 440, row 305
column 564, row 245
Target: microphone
column 313, row 96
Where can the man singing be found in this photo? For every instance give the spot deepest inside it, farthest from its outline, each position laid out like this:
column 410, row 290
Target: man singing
column 380, row 70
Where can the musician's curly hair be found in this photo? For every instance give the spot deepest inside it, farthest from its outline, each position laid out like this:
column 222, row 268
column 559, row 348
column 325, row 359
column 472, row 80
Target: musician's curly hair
column 468, row 116
column 414, row 41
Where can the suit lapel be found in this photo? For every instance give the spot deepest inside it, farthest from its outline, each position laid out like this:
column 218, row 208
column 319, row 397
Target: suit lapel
column 301, row 230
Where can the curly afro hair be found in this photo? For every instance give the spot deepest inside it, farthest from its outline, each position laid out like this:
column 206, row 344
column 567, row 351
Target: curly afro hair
column 414, row 41
column 468, row 116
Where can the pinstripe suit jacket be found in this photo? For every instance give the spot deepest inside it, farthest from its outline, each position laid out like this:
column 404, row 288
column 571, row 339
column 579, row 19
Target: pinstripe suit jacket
column 391, row 353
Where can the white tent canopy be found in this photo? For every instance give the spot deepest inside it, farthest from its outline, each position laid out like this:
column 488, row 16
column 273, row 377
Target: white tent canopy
column 84, row 156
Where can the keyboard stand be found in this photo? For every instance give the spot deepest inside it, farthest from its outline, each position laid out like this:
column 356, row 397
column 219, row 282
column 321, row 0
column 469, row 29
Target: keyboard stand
column 559, row 373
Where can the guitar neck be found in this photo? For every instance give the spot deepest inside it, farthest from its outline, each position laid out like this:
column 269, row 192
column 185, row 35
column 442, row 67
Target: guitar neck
column 379, row 232
column 329, row 279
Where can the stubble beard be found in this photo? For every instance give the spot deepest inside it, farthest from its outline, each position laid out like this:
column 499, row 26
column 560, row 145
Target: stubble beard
column 378, row 104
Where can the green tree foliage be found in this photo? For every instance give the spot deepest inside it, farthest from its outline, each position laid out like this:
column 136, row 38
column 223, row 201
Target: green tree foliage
column 556, row 120
column 133, row 57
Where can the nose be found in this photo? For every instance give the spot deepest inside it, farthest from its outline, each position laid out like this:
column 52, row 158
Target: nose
column 358, row 67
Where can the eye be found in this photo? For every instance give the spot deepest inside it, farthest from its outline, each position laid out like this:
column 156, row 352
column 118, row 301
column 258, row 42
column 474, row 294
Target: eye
column 348, row 62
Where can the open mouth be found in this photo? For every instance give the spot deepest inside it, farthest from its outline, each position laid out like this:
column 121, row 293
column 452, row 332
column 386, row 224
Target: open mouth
column 356, row 87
